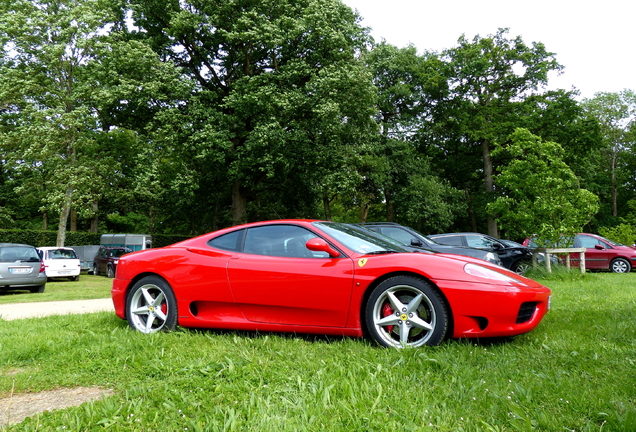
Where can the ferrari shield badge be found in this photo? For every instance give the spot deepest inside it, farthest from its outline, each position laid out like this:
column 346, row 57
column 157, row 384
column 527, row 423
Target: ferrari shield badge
column 362, row 262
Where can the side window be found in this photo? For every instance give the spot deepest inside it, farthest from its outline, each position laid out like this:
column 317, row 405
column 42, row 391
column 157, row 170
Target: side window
column 450, row 240
column 280, row 241
column 398, row 234
column 588, row 242
column 229, row 242
column 478, row 242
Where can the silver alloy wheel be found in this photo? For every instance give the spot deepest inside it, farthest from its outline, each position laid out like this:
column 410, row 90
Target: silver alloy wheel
column 412, row 318
column 620, row 265
column 148, row 308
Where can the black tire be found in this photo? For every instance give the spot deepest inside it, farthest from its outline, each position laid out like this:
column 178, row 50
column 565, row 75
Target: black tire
column 620, row 265
column 522, row 266
column 110, row 272
column 406, row 311
column 75, row 278
column 37, row 289
column 151, row 306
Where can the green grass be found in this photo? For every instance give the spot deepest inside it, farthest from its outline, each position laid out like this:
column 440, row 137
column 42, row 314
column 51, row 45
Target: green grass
column 88, row 287
column 575, row 372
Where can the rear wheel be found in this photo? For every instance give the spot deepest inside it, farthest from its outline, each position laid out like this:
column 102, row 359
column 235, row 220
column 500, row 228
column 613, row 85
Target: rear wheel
column 151, row 306
column 95, row 269
column 405, row 311
column 37, row 289
column 620, row 265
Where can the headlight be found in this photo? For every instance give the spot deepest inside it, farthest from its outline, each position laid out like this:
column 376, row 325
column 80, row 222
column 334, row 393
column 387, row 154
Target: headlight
column 115, row 262
column 486, row 273
column 491, row 257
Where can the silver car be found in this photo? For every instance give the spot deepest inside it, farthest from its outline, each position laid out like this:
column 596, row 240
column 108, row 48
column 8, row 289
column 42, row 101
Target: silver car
column 21, row 268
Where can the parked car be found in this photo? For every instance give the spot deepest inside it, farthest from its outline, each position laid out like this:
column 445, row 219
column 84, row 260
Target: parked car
column 106, row 259
column 325, row 278
column 410, row 237
column 60, row 262
column 600, row 253
column 517, row 258
column 21, row 268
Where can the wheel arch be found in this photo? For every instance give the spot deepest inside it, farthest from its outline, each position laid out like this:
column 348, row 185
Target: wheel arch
column 379, row 280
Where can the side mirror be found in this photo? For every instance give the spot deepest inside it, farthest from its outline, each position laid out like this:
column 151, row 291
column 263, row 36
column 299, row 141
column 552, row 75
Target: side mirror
column 416, row 242
column 317, row 244
column 496, row 246
column 599, row 247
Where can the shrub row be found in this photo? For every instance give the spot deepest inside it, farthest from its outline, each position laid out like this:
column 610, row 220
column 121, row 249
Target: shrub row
column 73, row 238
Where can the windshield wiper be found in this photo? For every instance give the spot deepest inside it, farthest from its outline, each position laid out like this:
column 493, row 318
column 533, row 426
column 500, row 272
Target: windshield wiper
column 382, row 252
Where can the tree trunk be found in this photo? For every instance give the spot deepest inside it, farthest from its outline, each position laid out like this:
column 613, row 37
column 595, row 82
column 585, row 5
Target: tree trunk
column 45, row 220
column 239, row 204
column 390, row 208
column 614, row 186
column 66, row 210
column 489, row 186
column 471, row 211
column 326, row 204
column 364, row 212
column 95, row 219
column 73, row 220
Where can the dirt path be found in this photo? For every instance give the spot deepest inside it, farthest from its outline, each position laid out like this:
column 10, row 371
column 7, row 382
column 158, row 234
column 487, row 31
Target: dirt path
column 15, row 311
column 17, row 407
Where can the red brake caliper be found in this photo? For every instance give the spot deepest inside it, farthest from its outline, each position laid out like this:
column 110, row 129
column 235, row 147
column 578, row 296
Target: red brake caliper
column 386, row 311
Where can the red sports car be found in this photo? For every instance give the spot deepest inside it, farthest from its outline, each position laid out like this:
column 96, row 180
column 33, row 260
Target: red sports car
column 321, row 277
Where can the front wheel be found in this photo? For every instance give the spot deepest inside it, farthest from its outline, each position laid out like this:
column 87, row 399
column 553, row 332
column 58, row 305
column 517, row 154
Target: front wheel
column 110, row 272
column 151, row 306
column 522, row 266
column 620, row 265
column 405, row 311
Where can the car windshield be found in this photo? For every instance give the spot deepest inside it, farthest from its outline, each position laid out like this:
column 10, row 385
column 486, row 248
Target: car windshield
column 120, row 252
column 62, row 254
column 359, row 240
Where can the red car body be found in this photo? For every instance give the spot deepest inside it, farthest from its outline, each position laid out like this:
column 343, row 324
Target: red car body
column 254, row 290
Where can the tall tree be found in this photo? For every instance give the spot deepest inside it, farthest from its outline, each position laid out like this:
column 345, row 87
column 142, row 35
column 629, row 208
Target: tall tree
column 542, row 194
column 409, row 85
column 489, row 78
column 277, row 85
column 47, row 47
column 616, row 114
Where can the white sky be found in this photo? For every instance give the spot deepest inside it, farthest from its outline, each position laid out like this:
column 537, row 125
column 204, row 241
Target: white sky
column 594, row 40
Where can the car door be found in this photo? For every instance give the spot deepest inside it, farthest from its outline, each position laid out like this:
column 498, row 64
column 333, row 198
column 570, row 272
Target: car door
column 278, row 280
column 597, row 255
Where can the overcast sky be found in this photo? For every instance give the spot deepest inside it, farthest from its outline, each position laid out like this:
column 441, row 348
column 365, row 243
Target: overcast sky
column 594, row 40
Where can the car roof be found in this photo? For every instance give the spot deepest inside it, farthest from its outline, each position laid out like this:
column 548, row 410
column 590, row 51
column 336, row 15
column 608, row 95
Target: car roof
column 14, row 244
column 53, row 248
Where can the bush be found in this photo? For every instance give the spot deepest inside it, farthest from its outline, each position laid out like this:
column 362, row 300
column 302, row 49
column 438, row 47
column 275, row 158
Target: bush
column 47, row 238
column 623, row 233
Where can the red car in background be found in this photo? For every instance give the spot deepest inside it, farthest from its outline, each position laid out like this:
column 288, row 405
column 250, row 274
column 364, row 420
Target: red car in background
column 600, row 254
column 326, row 278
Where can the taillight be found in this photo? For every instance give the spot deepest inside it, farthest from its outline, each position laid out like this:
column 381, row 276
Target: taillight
column 42, row 269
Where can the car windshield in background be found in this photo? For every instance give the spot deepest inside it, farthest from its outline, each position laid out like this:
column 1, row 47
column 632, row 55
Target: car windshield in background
column 62, row 254
column 120, row 252
column 358, row 240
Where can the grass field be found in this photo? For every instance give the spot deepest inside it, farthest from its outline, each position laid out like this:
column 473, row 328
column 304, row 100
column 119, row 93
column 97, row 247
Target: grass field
column 575, row 372
column 88, row 287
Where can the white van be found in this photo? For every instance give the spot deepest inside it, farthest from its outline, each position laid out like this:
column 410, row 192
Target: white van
column 60, row 262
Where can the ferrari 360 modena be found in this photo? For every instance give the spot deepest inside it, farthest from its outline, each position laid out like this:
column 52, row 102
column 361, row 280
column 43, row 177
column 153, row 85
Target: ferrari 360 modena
column 308, row 276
